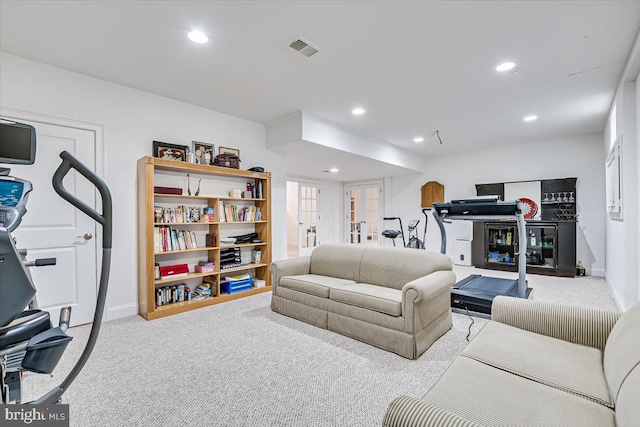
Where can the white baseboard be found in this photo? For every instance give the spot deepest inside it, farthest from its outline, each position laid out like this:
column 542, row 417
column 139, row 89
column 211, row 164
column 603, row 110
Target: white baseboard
column 598, row 272
column 121, row 311
column 616, row 297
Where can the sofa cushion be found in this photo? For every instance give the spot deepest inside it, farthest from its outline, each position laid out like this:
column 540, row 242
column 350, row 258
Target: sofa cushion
column 567, row 366
column 395, row 267
column 313, row 284
column 372, row 297
column 492, row 397
column 622, row 351
column 337, row 260
column 627, row 407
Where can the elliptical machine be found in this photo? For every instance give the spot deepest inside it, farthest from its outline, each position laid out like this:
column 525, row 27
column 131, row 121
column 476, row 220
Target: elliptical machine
column 414, row 242
column 28, row 340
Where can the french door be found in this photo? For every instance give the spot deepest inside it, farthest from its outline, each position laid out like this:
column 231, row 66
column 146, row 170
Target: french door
column 307, row 218
column 363, row 204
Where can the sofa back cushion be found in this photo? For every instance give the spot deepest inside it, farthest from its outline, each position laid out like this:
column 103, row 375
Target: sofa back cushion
column 395, row 267
column 628, row 404
column 337, row 260
column 622, row 351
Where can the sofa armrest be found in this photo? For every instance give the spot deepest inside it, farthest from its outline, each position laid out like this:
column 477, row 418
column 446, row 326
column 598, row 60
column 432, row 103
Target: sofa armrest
column 577, row 324
column 289, row 267
column 406, row 411
column 426, row 287
column 426, row 298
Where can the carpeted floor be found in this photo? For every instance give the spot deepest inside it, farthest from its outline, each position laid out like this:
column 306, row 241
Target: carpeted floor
column 240, row 364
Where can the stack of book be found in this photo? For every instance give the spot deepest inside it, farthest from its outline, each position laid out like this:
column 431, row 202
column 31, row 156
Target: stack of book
column 203, row 291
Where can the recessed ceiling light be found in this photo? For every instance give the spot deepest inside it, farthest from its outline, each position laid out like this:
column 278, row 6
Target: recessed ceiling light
column 506, row 66
column 333, row 170
column 357, row 111
column 198, row 37
column 418, row 139
column 530, row 118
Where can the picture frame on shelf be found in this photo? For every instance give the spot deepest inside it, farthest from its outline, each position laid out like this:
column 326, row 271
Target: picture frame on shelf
column 167, row 151
column 202, row 152
column 227, row 150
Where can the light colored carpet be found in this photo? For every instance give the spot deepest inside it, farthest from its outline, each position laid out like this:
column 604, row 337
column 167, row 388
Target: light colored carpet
column 240, row 364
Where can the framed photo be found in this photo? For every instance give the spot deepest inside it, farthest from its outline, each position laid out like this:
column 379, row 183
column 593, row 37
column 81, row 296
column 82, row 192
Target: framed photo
column 227, row 150
column 167, row 151
column 202, row 152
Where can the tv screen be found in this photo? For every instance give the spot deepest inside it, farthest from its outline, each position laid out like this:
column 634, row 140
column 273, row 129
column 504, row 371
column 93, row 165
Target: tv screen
column 17, row 143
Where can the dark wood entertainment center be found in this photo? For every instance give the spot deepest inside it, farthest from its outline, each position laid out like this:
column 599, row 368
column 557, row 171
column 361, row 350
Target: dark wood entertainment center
column 551, row 239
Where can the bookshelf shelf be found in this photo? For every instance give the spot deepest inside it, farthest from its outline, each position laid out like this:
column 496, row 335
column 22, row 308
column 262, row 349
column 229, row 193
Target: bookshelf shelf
column 264, row 221
column 235, row 199
column 181, row 196
column 243, row 245
column 180, row 307
column 182, row 278
column 168, row 224
column 203, row 248
column 148, row 168
column 223, row 198
column 242, row 268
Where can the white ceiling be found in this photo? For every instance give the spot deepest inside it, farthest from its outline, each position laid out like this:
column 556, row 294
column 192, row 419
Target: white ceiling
column 416, row 67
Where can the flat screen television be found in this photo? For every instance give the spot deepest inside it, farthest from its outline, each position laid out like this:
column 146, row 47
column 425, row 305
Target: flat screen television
column 17, row 143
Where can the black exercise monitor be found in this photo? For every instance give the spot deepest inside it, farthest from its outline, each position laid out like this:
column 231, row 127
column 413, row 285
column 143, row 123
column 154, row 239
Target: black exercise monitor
column 14, row 193
column 17, row 143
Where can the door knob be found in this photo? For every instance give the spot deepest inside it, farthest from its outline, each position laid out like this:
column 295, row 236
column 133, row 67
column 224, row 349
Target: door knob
column 87, row 236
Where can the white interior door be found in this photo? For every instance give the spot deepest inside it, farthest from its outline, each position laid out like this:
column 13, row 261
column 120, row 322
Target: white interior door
column 52, row 228
column 364, row 213
column 308, row 218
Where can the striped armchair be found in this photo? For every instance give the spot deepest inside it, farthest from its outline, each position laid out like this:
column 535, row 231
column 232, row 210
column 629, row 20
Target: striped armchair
column 537, row 363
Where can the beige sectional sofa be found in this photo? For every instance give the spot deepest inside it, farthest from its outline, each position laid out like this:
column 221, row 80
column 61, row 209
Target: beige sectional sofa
column 394, row 298
column 537, row 364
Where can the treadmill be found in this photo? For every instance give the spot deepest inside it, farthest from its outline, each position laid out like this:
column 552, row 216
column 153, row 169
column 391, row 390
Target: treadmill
column 475, row 294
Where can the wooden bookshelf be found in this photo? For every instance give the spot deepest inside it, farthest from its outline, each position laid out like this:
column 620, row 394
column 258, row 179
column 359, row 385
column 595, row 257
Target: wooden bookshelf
column 148, row 168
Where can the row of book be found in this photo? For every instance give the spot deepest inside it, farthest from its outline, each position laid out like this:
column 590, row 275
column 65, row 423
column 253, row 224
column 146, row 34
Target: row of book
column 171, row 294
column 181, row 213
column 234, row 213
column 166, row 239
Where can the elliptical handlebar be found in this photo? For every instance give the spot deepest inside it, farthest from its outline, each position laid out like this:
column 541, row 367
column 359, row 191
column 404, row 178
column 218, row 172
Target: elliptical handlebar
column 68, row 162
column 106, row 220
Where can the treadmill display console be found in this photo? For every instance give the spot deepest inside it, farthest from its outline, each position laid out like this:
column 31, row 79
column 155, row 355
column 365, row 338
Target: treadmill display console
column 10, row 193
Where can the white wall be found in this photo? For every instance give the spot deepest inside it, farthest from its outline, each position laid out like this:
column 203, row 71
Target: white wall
column 622, row 236
column 578, row 156
column 132, row 119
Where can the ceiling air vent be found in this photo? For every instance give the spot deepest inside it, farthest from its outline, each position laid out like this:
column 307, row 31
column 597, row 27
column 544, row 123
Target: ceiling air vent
column 303, row 47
